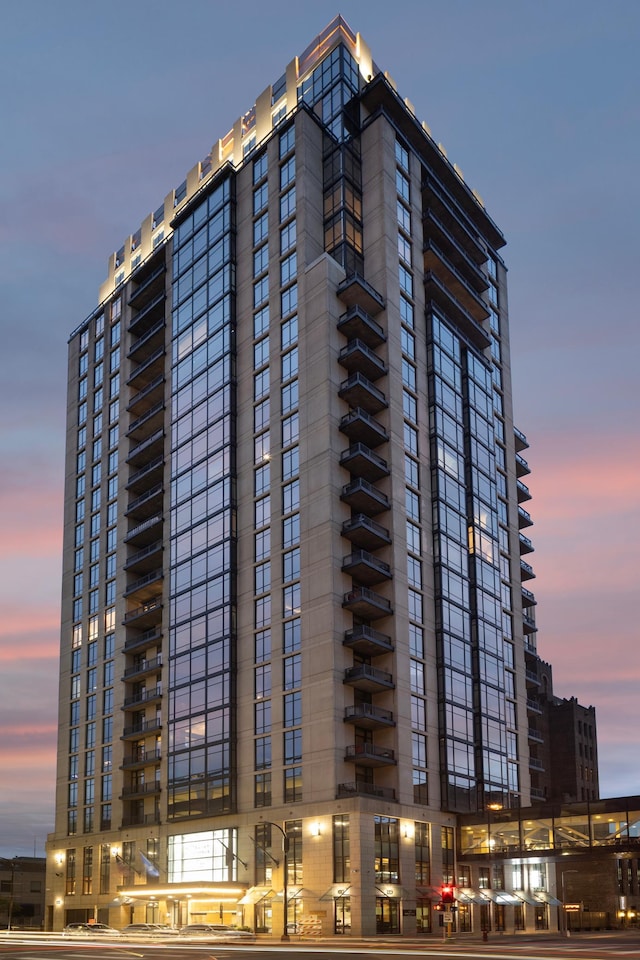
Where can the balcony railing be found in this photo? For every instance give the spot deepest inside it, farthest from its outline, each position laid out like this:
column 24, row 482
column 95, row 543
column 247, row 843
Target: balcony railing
column 367, row 642
column 367, row 603
column 368, row 715
column 365, row 567
column 370, row 755
column 145, row 696
column 364, row 497
column 365, row 677
column 360, row 461
column 355, row 291
column 356, row 322
column 357, row 356
column 145, row 666
column 362, row 789
column 358, row 425
column 365, row 532
column 142, row 728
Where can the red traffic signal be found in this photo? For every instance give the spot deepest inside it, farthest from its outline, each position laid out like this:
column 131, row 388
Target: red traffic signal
column 447, row 893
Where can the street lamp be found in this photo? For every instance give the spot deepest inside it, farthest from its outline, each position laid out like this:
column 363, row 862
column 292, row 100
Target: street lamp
column 563, row 873
column 285, row 892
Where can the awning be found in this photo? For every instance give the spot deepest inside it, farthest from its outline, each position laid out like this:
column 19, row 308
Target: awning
column 433, row 893
column 257, row 895
column 336, row 891
column 298, row 893
column 392, row 891
column 525, row 897
column 468, row 895
column 543, row 897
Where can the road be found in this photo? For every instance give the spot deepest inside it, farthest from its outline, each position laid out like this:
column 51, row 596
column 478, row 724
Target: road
column 626, row 946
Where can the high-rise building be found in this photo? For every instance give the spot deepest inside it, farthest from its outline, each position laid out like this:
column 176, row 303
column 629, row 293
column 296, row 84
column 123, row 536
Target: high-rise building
column 293, row 621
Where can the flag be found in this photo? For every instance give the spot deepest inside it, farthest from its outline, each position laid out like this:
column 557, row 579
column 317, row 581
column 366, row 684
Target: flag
column 150, row 868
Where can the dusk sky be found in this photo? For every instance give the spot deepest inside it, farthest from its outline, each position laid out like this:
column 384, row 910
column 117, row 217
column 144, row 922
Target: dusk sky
column 106, row 106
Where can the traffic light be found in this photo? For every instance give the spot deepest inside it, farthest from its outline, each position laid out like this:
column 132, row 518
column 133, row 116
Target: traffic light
column 447, row 893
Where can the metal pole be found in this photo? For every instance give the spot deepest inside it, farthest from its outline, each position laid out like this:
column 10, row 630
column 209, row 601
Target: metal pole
column 285, row 881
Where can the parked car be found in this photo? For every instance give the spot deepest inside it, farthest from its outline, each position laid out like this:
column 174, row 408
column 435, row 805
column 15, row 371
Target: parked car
column 215, row 931
column 148, row 930
column 89, row 930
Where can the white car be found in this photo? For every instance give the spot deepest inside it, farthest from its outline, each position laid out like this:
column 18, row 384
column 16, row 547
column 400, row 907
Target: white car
column 215, row 931
column 148, row 930
column 89, row 930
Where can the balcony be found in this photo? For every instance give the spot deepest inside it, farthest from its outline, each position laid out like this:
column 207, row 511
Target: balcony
column 367, row 604
column 366, row 568
column 136, row 641
column 524, row 518
column 360, row 461
column 146, row 532
column 523, row 491
column 357, row 391
column 146, row 559
column 534, row 735
column 526, row 571
column 355, row 291
column 528, row 598
column 148, row 422
column 141, row 819
column 520, row 440
column 535, row 764
column 143, row 697
column 435, row 229
column 146, row 504
column 145, row 472
column 437, row 291
column 361, row 427
column 369, row 755
column 356, row 323
column 364, row 497
column 147, row 448
column 526, row 545
column 365, row 533
column 148, row 370
column 367, row 642
column 151, row 338
column 141, row 758
column 357, row 357
column 140, row 789
column 537, row 794
column 147, row 615
column 143, row 667
column 532, row 677
column 362, row 676
column 142, row 585
column 437, row 198
column 149, row 313
column 368, row 717
column 362, row 789
column 522, row 467
column 149, row 286
column 534, row 707
column 141, row 729
column 146, row 393
column 435, row 259
column 528, row 623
